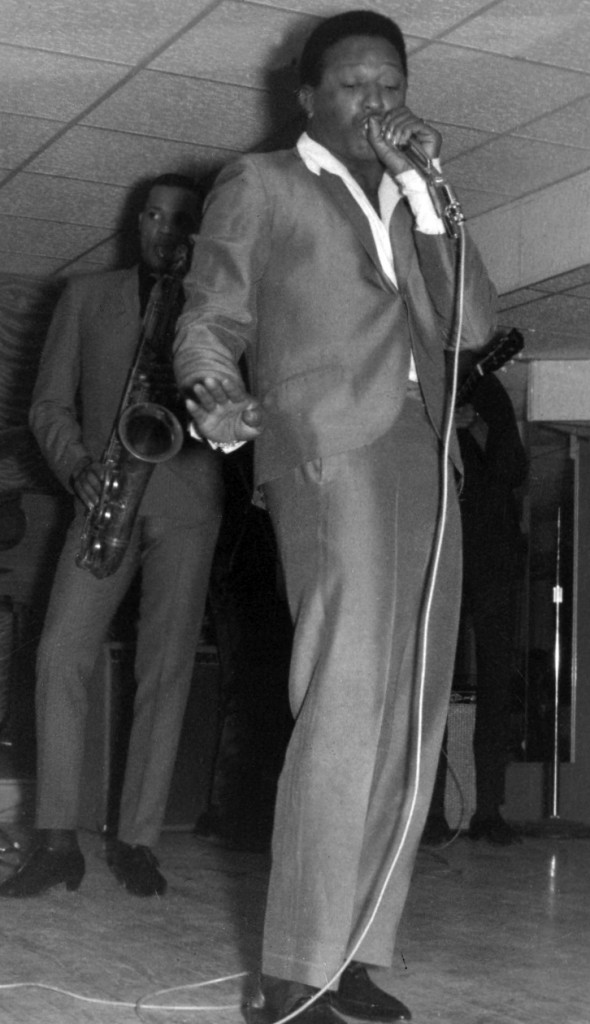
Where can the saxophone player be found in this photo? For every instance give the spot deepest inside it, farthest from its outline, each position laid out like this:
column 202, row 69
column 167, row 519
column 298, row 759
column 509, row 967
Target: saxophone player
column 88, row 353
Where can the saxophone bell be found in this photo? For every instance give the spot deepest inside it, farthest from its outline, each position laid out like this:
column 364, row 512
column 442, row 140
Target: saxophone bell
column 150, row 432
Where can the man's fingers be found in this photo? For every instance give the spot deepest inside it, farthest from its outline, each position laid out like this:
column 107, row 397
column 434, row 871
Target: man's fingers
column 205, row 398
column 211, row 391
column 252, row 416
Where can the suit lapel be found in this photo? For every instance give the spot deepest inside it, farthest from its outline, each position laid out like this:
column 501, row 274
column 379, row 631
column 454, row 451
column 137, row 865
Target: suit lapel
column 353, row 213
column 123, row 297
column 129, row 295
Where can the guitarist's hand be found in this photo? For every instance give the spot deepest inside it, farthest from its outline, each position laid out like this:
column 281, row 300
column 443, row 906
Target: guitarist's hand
column 465, row 416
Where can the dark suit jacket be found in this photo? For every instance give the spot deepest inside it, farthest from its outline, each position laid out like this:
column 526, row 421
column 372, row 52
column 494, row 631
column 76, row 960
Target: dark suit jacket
column 492, row 538
column 286, row 268
column 85, row 362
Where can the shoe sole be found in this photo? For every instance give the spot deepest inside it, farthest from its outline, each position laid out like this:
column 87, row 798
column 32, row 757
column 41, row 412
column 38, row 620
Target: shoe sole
column 120, row 876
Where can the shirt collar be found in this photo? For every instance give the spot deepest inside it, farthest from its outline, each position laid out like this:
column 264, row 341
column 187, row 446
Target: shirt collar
column 317, row 158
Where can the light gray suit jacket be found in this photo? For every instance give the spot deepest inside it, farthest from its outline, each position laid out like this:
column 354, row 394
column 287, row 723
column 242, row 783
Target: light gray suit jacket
column 285, row 268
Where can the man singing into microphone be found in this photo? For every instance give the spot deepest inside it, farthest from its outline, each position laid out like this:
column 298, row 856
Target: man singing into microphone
column 329, row 267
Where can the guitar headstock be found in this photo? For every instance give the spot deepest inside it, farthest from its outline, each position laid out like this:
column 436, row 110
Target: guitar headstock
column 503, row 350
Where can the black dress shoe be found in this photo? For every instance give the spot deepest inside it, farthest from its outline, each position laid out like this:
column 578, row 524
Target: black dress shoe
column 319, row 1012
column 359, row 997
column 136, row 868
column 494, row 829
column 43, row 869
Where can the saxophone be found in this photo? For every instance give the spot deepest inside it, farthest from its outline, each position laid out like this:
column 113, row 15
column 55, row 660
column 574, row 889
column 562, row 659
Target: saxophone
column 145, row 431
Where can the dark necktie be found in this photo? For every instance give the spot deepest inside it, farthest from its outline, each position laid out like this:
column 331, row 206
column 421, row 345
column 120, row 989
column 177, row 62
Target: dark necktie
column 402, row 241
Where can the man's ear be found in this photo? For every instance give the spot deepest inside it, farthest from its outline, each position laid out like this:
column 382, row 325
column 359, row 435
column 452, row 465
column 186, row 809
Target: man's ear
column 305, row 97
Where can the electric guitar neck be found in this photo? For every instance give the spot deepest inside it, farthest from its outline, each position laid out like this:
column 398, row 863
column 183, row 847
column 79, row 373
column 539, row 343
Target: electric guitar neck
column 501, row 352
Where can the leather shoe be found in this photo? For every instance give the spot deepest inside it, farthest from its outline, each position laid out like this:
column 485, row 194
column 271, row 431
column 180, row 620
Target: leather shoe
column 494, row 829
column 43, row 869
column 136, row 868
column 259, row 1011
column 359, row 997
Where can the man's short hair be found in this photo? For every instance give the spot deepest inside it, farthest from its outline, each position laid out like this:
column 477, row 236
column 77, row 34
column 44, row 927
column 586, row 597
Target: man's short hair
column 341, row 26
column 174, row 180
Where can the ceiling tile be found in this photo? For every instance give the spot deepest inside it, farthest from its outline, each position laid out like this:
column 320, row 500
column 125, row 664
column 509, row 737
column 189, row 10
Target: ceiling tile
column 264, row 41
column 569, row 126
column 459, row 140
column 96, row 154
column 50, row 85
column 474, row 202
column 566, row 282
column 516, row 167
column 117, row 30
column 184, row 109
column 61, row 200
column 540, row 30
column 495, row 94
column 20, row 136
column 26, row 263
column 47, row 238
column 583, row 292
column 103, row 257
column 426, row 18
column 517, row 298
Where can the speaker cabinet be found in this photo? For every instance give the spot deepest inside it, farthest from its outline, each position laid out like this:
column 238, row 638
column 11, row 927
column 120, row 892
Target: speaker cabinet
column 460, row 779
column 559, row 390
column 111, row 697
column 110, row 704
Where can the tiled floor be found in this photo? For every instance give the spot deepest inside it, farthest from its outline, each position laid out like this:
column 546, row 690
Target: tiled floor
column 491, row 936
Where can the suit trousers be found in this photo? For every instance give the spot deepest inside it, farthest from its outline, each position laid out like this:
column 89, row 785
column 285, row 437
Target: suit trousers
column 368, row 689
column 175, row 561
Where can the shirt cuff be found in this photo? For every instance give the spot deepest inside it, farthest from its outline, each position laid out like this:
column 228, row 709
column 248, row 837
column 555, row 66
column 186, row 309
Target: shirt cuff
column 415, row 189
column 223, row 446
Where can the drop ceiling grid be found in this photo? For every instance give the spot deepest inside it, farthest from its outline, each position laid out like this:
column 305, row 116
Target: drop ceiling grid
column 550, row 32
column 98, row 94
column 428, row 19
column 99, row 154
column 121, row 31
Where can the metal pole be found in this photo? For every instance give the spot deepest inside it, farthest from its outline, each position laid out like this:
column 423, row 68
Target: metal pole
column 557, row 600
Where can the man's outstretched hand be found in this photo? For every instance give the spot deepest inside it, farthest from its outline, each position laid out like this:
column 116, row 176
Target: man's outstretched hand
column 223, row 410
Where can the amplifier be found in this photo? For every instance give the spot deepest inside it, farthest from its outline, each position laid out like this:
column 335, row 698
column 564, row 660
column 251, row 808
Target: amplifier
column 460, row 798
column 111, row 695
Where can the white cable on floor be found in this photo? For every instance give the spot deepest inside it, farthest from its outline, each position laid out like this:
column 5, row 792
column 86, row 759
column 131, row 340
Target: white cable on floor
column 140, row 1004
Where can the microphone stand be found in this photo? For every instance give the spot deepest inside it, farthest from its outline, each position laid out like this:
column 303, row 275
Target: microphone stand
column 554, row 826
column 557, row 601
